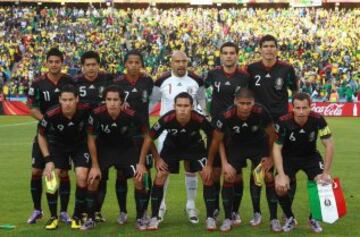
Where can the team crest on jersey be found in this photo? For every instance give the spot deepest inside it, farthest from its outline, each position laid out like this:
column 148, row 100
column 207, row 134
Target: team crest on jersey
column 144, row 96
column 312, row 136
column 279, row 82
column 237, row 88
column 189, row 90
column 124, row 129
column 60, row 127
column 101, row 90
column 156, row 126
column 254, row 128
column 31, row 91
column 44, row 123
column 219, row 124
column 91, row 120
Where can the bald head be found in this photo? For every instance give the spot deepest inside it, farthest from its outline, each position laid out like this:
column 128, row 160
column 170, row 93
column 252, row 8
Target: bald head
column 179, row 62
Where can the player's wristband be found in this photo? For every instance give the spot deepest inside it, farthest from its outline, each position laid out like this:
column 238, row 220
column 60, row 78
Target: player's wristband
column 47, row 159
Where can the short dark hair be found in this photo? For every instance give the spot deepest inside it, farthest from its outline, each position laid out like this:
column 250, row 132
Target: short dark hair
column 90, row 54
column 301, row 96
column 184, row 95
column 69, row 88
column 114, row 88
column 244, row 93
column 55, row 52
column 229, row 44
column 134, row 53
column 267, row 38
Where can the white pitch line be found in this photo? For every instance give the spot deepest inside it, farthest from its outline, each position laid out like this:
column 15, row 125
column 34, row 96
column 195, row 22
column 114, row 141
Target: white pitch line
column 17, row 124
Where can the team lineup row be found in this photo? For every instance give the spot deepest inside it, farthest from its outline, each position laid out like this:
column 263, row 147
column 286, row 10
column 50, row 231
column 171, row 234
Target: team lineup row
column 116, row 133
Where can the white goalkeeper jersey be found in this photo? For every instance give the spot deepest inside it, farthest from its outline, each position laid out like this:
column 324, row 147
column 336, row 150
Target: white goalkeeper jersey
column 168, row 86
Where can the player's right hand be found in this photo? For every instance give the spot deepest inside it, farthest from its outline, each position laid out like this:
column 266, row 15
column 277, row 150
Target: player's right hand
column 48, row 169
column 140, row 171
column 282, row 183
column 161, row 165
column 207, row 172
column 229, row 171
column 94, row 174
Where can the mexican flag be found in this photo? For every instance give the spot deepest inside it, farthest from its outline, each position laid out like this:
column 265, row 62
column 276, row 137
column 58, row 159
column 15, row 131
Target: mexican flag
column 327, row 202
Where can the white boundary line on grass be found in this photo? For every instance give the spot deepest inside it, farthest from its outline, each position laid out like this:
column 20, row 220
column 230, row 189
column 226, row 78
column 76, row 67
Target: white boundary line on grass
column 17, row 124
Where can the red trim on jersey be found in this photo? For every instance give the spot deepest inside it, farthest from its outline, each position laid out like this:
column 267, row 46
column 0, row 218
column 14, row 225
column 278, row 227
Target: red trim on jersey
column 230, row 112
column 133, row 83
column 283, row 63
column 53, row 111
column 257, row 109
column 129, row 111
column 83, row 106
column 229, row 75
column 314, row 114
column 169, row 117
column 197, row 117
column 287, row 117
column 243, row 70
column 99, row 109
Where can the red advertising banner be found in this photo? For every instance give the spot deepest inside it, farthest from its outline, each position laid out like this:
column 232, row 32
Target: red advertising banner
column 336, row 109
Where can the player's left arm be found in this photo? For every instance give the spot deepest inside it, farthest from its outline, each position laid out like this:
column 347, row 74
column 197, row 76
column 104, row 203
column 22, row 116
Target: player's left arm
column 293, row 81
column 271, row 134
column 44, row 147
column 201, row 99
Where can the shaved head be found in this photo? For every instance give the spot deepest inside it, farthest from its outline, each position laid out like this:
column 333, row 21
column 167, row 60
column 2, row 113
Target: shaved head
column 179, row 62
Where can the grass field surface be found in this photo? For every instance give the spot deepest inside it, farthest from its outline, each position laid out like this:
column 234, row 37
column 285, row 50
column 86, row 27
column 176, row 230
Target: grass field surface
column 16, row 134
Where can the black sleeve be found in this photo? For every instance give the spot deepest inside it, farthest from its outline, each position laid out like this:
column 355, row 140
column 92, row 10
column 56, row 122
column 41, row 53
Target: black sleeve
column 157, row 129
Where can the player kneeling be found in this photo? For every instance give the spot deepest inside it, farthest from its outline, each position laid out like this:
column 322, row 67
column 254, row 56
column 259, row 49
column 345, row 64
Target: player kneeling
column 110, row 144
column 183, row 142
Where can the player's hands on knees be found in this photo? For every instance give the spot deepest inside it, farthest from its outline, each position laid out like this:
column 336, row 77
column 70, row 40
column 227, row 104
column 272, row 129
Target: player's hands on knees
column 161, row 165
column 267, row 163
column 229, row 171
column 94, row 174
column 282, row 183
column 207, row 172
column 48, row 169
column 323, row 178
column 140, row 171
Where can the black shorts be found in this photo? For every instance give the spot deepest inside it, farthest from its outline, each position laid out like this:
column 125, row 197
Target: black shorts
column 124, row 159
column 37, row 160
column 311, row 165
column 61, row 157
column 196, row 157
column 238, row 154
column 138, row 141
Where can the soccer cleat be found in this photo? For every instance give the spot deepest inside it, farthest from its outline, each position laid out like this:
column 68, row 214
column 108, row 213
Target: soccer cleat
column 52, row 223
column 35, row 215
column 153, row 224
column 75, row 223
column 235, row 218
column 289, row 224
column 99, row 217
column 122, row 218
column 193, row 215
column 162, row 212
column 64, row 217
column 256, row 220
column 88, row 225
column 210, row 224
column 315, row 226
column 226, row 225
column 275, row 225
column 141, row 224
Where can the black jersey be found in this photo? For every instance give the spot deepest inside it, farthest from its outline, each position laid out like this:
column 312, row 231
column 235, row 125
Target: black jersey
column 114, row 133
column 63, row 132
column 137, row 94
column 44, row 93
column 300, row 141
column 270, row 85
column 91, row 91
column 224, row 86
column 179, row 136
column 242, row 132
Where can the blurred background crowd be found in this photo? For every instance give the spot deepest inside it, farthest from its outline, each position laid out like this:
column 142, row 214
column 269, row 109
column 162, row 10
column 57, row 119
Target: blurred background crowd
column 322, row 44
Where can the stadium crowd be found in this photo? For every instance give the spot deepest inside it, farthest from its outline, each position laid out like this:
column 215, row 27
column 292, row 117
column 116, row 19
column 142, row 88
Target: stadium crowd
column 322, row 44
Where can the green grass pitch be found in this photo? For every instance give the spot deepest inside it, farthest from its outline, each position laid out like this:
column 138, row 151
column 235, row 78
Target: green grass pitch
column 16, row 134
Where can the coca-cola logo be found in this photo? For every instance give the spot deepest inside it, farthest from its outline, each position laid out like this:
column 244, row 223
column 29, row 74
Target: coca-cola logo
column 332, row 109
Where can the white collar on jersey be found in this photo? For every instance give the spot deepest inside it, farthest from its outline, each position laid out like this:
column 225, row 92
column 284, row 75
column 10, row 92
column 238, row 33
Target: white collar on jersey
column 173, row 75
